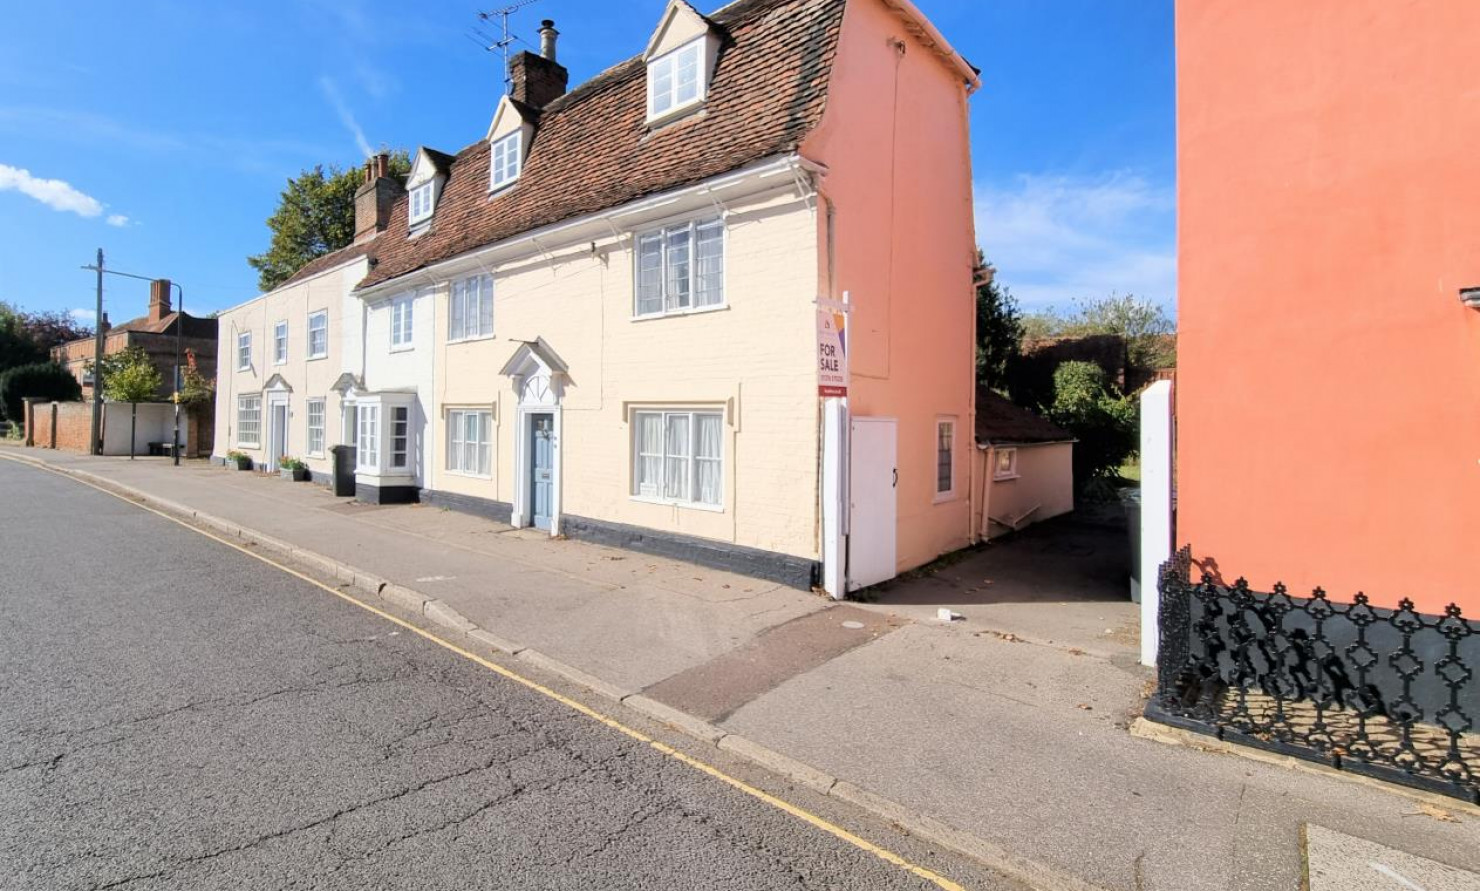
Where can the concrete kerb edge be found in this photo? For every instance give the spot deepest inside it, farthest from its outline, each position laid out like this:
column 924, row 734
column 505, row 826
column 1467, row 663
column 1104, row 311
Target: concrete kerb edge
column 1147, row 729
column 1038, row 875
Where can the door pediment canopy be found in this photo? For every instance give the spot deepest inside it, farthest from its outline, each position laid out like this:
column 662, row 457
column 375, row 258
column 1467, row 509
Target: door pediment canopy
column 537, row 372
column 278, row 382
column 347, row 384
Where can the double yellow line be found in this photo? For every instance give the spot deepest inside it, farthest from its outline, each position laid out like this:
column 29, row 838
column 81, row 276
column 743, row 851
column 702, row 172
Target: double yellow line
column 804, row 815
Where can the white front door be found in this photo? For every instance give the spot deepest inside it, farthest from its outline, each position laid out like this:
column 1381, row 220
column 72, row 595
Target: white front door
column 277, row 436
column 873, row 480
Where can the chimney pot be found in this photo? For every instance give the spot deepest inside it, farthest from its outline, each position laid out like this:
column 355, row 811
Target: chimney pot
column 547, row 39
column 374, row 200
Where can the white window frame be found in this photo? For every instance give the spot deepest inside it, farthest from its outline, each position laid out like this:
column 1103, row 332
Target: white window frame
column 693, row 458
column 941, row 424
column 1011, row 473
column 402, row 322
column 249, row 413
column 244, row 351
column 315, row 431
column 459, row 328
column 400, row 439
column 504, row 172
column 668, row 303
column 421, row 203
column 320, row 316
column 668, row 65
column 280, row 343
column 460, row 448
column 367, row 452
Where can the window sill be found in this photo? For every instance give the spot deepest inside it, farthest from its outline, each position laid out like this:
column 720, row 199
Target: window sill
column 319, row 455
column 656, row 121
column 254, row 446
column 404, row 348
column 500, row 188
column 242, row 368
column 945, row 497
column 1005, row 477
column 480, row 338
column 687, row 505
column 681, row 312
column 317, row 358
column 488, row 477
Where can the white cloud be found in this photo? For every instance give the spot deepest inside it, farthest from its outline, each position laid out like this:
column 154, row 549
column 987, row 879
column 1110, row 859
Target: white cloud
column 1055, row 239
column 346, row 117
column 117, row 219
column 54, row 193
column 85, row 316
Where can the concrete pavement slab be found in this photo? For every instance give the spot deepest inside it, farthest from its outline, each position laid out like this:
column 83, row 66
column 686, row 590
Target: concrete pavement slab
column 1341, row 862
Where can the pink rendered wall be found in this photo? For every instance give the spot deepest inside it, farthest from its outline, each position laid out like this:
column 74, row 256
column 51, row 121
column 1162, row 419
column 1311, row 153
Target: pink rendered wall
column 1329, row 383
column 895, row 143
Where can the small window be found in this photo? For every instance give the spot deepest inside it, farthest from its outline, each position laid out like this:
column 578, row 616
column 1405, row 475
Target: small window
column 315, row 409
column 468, row 442
column 676, row 80
column 505, row 163
column 421, row 203
column 244, row 351
column 400, row 434
column 249, row 421
column 318, row 335
column 678, row 457
column 280, row 343
column 945, row 453
column 470, row 312
column 401, row 330
column 368, row 450
column 1006, row 466
column 681, row 268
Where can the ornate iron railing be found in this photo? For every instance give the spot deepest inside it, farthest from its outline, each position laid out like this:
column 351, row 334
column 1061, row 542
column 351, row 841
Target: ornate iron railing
column 1388, row 693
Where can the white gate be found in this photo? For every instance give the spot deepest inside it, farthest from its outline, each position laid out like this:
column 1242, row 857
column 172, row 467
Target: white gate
column 873, row 479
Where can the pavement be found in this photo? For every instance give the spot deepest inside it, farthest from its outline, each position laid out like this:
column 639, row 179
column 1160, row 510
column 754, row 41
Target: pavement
column 179, row 714
column 1010, row 736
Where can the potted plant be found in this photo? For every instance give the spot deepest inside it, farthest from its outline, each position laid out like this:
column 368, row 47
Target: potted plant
column 292, row 469
column 242, row 460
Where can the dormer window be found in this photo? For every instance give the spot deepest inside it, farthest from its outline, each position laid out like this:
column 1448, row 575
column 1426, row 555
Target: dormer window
column 676, row 80
column 505, row 161
column 423, row 199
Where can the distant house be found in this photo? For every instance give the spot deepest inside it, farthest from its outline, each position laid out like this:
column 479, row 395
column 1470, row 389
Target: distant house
column 1027, row 466
column 155, row 333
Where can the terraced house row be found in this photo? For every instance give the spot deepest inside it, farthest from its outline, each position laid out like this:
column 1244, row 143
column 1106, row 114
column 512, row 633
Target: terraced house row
column 601, row 317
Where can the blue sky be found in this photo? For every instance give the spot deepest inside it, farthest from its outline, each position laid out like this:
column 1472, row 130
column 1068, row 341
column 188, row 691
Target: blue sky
column 163, row 130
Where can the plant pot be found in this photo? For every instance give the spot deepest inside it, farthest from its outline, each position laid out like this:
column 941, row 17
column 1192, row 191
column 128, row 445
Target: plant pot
column 297, row 476
column 243, row 463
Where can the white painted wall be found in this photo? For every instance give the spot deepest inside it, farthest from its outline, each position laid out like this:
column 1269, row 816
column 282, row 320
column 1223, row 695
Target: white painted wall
column 156, row 423
column 404, row 369
column 1156, row 508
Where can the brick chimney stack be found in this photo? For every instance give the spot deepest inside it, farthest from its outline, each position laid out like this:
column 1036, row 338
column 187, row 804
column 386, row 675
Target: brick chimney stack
column 538, row 80
column 374, row 199
column 159, row 299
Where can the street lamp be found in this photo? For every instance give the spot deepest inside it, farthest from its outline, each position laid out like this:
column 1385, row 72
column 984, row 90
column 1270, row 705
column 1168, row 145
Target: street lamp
column 179, row 329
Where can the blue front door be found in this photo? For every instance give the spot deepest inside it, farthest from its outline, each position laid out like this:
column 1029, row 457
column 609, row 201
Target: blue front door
column 542, row 467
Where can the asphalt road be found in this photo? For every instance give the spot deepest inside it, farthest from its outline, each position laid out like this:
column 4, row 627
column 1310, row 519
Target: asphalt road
column 176, row 714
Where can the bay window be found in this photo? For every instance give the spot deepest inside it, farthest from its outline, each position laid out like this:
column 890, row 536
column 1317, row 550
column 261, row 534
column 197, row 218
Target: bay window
column 678, row 457
column 368, row 454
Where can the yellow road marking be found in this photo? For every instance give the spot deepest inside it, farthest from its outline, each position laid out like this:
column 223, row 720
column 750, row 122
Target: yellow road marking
column 804, row 815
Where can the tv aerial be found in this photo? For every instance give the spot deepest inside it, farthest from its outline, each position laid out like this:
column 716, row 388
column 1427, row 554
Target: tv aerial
column 501, row 41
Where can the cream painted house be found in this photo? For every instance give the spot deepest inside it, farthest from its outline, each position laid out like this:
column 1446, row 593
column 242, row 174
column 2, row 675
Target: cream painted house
column 281, row 357
column 601, row 318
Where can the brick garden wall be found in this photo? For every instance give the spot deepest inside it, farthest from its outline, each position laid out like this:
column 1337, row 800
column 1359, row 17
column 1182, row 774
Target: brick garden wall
column 73, row 425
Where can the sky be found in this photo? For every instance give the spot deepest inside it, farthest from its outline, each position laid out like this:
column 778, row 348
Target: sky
column 163, row 131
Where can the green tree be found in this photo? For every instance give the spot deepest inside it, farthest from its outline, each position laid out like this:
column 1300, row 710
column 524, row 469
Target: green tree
column 26, row 338
column 130, row 376
column 315, row 215
column 999, row 329
column 1102, row 420
column 40, row 380
column 1149, row 333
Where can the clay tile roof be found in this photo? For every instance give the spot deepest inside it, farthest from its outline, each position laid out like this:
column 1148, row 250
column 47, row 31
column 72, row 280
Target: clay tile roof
column 194, row 326
column 592, row 151
column 1000, row 422
column 328, row 261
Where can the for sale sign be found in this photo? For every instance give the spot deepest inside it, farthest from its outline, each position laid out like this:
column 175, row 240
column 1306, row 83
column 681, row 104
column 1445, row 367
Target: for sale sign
column 832, row 352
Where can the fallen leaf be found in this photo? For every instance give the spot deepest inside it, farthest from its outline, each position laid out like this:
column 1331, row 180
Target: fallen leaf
column 1438, row 813
column 1088, row 708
